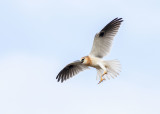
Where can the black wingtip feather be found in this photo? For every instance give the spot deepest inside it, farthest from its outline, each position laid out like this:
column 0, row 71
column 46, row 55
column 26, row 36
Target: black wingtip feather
column 56, row 77
column 70, row 70
column 115, row 22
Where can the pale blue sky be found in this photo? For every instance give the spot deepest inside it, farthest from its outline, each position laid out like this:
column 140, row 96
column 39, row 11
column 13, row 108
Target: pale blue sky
column 39, row 37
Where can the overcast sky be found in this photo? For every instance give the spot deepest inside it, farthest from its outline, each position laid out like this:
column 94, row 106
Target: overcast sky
column 39, row 37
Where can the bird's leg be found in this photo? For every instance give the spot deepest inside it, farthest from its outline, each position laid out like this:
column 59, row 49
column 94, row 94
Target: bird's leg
column 102, row 77
column 105, row 72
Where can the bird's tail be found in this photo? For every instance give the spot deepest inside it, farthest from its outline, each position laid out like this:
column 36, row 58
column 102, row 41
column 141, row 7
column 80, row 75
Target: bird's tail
column 113, row 68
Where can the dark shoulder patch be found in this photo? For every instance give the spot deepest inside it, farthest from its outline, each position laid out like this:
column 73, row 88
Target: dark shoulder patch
column 70, row 66
column 101, row 34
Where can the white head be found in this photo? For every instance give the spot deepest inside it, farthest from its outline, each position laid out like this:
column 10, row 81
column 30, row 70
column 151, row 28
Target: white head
column 85, row 60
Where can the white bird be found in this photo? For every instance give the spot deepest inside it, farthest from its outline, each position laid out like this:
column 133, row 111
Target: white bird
column 101, row 47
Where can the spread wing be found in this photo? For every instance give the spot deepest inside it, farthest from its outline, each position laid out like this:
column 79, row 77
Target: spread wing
column 103, row 40
column 70, row 70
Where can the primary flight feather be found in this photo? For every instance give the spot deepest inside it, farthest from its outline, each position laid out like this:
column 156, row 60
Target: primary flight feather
column 101, row 47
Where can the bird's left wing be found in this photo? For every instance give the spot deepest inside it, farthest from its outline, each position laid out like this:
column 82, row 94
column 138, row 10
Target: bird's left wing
column 103, row 40
column 70, row 70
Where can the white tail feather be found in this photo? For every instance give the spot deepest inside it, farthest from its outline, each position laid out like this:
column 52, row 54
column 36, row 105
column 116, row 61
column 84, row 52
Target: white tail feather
column 113, row 69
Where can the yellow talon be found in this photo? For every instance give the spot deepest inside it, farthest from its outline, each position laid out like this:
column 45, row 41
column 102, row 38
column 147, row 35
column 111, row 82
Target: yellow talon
column 101, row 80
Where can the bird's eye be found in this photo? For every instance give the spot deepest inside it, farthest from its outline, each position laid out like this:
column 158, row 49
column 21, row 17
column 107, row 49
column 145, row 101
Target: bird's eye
column 82, row 60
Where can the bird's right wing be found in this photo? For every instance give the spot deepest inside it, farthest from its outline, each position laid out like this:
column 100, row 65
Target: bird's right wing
column 70, row 70
column 103, row 40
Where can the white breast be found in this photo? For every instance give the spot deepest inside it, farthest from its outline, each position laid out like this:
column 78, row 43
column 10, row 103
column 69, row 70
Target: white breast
column 95, row 61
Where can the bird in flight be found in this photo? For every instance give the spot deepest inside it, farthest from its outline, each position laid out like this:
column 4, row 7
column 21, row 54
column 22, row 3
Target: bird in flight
column 101, row 47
